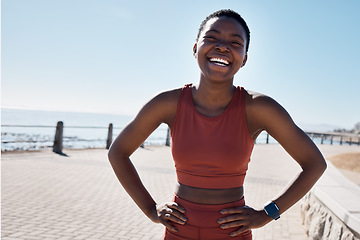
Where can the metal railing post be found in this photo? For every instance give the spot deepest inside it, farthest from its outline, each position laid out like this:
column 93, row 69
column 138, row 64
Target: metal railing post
column 110, row 136
column 58, row 141
column 167, row 143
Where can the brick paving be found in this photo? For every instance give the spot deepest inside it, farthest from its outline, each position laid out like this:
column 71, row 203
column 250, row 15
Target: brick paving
column 48, row 196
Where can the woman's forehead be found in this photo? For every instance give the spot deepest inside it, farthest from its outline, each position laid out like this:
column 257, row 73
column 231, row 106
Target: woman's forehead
column 222, row 23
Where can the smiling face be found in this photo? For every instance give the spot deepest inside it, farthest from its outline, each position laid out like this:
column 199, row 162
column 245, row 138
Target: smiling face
column 220, row 49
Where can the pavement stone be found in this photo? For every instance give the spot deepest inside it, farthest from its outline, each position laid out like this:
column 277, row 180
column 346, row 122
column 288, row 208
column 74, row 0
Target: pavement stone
column 49, row 196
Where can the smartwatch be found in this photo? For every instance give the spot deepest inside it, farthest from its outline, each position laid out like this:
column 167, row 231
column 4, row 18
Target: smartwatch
column 272, row 210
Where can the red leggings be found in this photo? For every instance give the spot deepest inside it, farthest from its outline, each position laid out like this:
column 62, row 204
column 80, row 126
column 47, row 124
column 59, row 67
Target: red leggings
column 202, row 222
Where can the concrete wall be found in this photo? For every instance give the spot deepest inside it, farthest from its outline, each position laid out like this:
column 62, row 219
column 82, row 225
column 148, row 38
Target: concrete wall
column 331, row 209
column 321, row 223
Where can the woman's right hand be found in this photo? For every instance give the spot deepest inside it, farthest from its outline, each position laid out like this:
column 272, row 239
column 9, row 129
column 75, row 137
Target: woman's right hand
column 168, row 213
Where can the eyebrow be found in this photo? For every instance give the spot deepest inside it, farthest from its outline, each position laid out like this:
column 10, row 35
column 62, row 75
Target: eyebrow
column 234, row 34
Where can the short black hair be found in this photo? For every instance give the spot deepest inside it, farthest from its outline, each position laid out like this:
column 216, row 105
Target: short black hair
column 231, row 14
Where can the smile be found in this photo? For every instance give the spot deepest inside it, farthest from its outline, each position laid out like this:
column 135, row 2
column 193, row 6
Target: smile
column 220, row 61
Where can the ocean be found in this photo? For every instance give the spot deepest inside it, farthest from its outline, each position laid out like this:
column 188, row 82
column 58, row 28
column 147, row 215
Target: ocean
column 24, row 130
column 34, row 130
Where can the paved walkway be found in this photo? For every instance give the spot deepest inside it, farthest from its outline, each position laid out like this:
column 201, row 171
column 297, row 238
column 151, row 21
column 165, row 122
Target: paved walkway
column 48, row 196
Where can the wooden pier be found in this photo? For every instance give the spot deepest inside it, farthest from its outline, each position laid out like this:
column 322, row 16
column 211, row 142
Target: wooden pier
column 332, row 137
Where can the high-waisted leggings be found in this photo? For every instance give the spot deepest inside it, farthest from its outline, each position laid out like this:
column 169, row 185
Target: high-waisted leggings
column 202, row 222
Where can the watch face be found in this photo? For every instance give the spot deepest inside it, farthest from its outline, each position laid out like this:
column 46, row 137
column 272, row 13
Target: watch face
column 272, row 210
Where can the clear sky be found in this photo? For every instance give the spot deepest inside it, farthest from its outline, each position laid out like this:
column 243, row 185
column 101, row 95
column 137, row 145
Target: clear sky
column 111, row 56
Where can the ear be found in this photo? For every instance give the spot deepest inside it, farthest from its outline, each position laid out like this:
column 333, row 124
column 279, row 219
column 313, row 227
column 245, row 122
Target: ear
column 244, row 61
column 194, row 49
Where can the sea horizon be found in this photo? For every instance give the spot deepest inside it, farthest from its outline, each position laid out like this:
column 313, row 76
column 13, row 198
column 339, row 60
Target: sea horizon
column 15, row 136
column 40, row 133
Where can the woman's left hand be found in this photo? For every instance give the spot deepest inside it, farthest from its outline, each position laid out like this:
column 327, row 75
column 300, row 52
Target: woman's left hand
column 244, row 218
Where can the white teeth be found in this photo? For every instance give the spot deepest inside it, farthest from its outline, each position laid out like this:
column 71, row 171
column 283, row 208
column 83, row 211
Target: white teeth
column 220, row 60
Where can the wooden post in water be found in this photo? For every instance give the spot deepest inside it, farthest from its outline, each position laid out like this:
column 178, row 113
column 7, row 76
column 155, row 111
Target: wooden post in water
column 341, row 138
column 350, row 141
column 331, row 139
column 322, row 139
column 58, row 141
column 110, row 136
column 267, row 138
column 167, row 143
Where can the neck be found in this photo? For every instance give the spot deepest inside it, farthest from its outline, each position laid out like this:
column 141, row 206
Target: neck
column 212, row 91
column 211, row 99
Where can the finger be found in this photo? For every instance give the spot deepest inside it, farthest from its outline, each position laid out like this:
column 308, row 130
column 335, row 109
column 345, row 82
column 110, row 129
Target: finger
column 239, row 223
column 239, row 231
column 233, row 210
column 177, row 210
column 232, row 218
column 169, row 226
column 175, row 213
column 178, row 215
column 172, row 218
column 176, row 206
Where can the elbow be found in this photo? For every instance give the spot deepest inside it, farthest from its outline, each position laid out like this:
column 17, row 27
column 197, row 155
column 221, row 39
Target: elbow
column 320, row 167
column 109, row 154
column 112, row 154
column 317, row 168
column 323, row 166
column 116, row 154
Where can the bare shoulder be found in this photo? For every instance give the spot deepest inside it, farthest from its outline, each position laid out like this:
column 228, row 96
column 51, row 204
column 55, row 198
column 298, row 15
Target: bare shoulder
column 159, row 109
column 166, row 101
column 256, row 99
column 162, row 107
column 168, row 96
column 263, row 111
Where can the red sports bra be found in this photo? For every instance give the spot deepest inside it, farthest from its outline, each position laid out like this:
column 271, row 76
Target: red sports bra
column 211, row 152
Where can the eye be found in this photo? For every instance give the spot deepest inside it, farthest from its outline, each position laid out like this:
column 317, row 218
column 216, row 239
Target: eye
column 210, row 37
column 237, row 43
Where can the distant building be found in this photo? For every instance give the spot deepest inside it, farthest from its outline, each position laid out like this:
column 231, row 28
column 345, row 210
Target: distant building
column 357, row 127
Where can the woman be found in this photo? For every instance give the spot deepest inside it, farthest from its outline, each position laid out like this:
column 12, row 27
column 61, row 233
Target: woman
column 213, row 129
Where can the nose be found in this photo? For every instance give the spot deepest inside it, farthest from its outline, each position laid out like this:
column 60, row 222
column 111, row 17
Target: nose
column 222, row 47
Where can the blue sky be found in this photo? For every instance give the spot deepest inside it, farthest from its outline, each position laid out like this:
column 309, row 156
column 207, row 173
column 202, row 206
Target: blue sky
column 110, row 56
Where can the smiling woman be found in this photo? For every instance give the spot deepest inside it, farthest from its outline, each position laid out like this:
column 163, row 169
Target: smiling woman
column 213, row 128
column 221, row 42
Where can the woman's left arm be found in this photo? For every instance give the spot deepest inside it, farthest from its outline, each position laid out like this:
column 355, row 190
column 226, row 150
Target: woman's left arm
column 277, row 122
column 264, row 113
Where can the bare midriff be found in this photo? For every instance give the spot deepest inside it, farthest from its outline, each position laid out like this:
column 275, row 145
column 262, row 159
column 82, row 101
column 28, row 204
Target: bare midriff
column 209, row 196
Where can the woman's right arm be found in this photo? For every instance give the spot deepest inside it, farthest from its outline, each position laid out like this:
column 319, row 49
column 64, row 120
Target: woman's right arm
column 161, row 109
